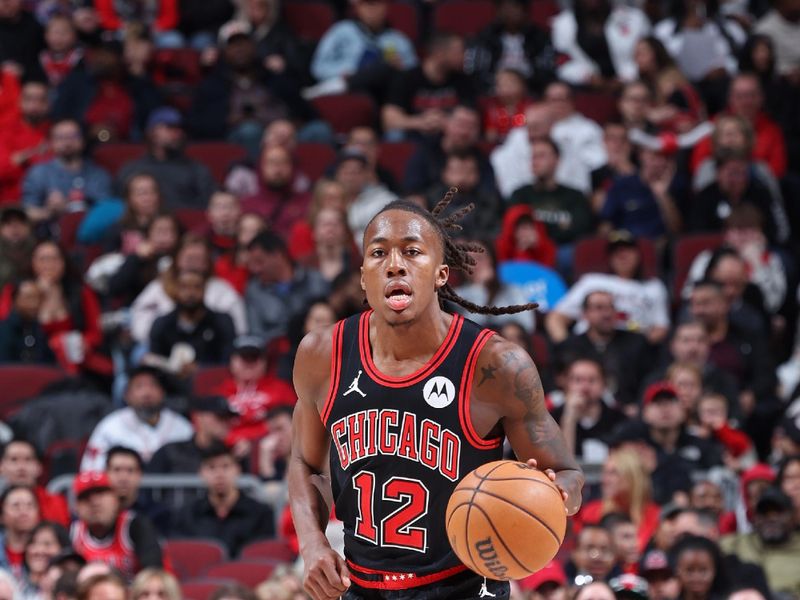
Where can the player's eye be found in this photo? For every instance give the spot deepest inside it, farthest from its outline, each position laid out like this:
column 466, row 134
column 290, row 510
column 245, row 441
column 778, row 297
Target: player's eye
column 413, row 251
column 377, row 252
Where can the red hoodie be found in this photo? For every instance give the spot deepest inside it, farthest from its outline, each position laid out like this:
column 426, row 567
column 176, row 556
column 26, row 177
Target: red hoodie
column 728, row 522
column 544, row 252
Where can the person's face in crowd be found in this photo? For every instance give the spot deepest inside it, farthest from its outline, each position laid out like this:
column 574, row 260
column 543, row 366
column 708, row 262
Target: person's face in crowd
column 269, row 267
column 791, row 483
column 20, row 511
column 125, row 477
column 330, row 228
column 259, row 12
column 372, row 13
column 60, row 35
column 615, row 138
column 145, row 395
column 365, row 140
column 689, row 386
column 353, row 175
column 613, row 485
column 163, row 235
column 688, row 523
column 653, row 164
column 332, row 195
column 773, row 525
column 544, row 160
column 695, row 571
column 733, row 177
column 15, row 231
column 280, row 132
column 453, row 55
column 538, row 120
column 706, row 495
column 690, row 344
column 558, row 97
column 153, row 589
column 250, row 225
column 624, row 261
column 240, row 52
column 143, row 196
column 600, row 313
column 42, row 548
column 107, row 590
column 248, row 365
column 280, row 429
column 192, row 257
column 712, row 411
column 34, row 103
column 664, row 413
column 20, row 466
column 220, row 474
column 594, row 553
column 47, row 263
column 730, row 135
column 462, row 130
column 634, row 102
column 595, row 591
column 167, row 137
column 744, row 238
column 191, row 291
column 509, row 87
column 461, row 172
column 626, row 543
column 745, row 97
column 99, row 508
column 276, row 167
column 216, row 427
column 511, row 14
column 66, row 140
column 223, row 213
column 319, row 315
column 708, row 306
column 645, row 58
column 28, row 300
column 10, row 9
column 586, row 380
column 525, row 234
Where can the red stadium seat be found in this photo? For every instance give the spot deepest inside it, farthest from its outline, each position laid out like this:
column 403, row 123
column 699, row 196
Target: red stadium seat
column 207, row 379
column 192, row 219
column 540, row 351
column 247, row 572
column 403, row 17
column 598, row 107
column 176, row 67
column 687, row 247
column 591, row 257
column 464, row 17
column 68, row 229
column 201, row 589
column 21, row 382
column 308, row 20
column 345, row 111
column 393, row 157
column 270, row 549
column 313, row 159
column 217, row 156
column 191, row 557
column 113, row 155
column 542, row 12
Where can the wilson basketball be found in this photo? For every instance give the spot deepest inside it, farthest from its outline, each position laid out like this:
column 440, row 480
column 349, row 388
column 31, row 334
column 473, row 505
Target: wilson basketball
column 506, row 520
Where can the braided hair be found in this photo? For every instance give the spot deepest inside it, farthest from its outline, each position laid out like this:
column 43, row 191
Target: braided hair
column 456, row 254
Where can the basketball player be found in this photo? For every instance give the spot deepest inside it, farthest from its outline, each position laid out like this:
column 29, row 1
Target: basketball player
column 395, row 406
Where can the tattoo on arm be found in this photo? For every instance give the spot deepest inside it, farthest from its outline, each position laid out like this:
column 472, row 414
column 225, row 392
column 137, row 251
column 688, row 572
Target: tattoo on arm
column 488, row 373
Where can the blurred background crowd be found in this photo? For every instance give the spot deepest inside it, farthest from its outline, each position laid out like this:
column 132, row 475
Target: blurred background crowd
column 183, row 190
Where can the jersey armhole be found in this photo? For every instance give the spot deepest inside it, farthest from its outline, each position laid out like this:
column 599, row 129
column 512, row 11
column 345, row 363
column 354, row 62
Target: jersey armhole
column 336, row 364
column 465, row 393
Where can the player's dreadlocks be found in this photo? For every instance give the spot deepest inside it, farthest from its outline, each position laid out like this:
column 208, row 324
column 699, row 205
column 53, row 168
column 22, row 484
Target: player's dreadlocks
column 456, row 254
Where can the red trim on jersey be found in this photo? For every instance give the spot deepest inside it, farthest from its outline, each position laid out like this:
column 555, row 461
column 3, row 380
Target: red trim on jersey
column 336, row 367
column 407, row 380
column 390, row 580
column 465, row 392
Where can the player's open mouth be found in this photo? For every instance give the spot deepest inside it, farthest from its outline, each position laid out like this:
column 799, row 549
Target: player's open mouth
column 398, row 295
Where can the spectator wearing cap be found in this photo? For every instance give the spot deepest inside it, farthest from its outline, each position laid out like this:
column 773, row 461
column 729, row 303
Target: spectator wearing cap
column 106, row 532
column 278, row 290
column 642, row 304
column 774, row 544
column 251, row 391
column 144, row 425
column 183, row 181
column 211, row 418
column 16, row 244
column 240, row 96
column 655, row 570
column 548, row 583
column 24, row 141
column 752, row 483
column 225, row 513
column 69, row 182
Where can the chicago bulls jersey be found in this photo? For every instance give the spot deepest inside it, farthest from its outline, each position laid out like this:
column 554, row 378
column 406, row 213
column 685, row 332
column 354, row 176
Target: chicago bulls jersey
column 399, row 447
column 117, row 550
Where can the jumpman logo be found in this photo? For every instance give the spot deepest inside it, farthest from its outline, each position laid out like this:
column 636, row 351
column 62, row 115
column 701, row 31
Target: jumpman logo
column 354, row 386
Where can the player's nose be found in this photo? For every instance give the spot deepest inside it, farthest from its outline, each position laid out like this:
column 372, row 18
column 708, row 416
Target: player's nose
column 395, row 265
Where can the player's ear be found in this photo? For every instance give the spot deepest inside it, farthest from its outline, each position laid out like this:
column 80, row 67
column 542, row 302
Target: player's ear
column 442, row 275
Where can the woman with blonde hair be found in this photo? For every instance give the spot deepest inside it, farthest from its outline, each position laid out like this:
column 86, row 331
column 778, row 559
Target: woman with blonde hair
column 626, row 489
column 155, row 584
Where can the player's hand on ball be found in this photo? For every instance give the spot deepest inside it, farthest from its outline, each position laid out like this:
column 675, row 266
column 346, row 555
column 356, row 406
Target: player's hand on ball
column 326, row 576
column 531, row 462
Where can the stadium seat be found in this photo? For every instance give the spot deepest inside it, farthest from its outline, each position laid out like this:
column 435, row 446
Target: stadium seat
column 201, row 589
column 270, row 549
column 176, row 67
column 686, row 248
column 542, row 13
column 308, row 20
column 540, row 350
column 207, row 379
column 590, row 256
column 345, row 111
column 464, row 17
column 68, row 229
column 313, row 159
column 403, row 17
column 393, row 157
column 191, row 557
column 62, row 457
column 192, row 219
column 21, row 382
column 113, row 155
column 247, row 572
column 217, row 156
column 599, row 107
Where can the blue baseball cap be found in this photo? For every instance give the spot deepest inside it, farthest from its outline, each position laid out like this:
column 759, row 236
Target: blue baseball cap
column 165, row 115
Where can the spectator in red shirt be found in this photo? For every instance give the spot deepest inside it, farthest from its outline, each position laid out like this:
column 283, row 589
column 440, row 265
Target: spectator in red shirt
column 161, row 17
column 250, row 391
column 524, row 238
column 232, row 266
column 62, row 53
column 20, row 465
column 19, row 514
column 506, row 109
column 24, row 140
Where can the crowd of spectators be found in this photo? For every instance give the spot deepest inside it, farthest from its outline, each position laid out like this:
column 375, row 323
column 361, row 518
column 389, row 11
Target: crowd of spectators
column 634, row 170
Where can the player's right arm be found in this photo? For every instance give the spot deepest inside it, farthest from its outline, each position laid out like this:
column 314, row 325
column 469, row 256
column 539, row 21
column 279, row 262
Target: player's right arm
column 326, row 576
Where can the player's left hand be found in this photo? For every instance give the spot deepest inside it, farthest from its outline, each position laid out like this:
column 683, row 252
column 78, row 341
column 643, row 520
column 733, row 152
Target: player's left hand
column 531, row 462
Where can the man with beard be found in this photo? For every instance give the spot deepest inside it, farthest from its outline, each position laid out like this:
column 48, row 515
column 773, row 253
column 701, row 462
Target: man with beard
column 774, row 544
column 67, row 183
column 184, row 182
column 145, row 425
column 209, row 333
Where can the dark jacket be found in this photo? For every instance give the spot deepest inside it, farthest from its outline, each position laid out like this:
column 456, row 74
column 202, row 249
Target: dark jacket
column 21, row 40
column 184, row 182
column 212, row 338
column 23, row 341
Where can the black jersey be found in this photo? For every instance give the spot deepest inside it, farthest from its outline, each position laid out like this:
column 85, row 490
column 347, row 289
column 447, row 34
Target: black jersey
column 399, row 447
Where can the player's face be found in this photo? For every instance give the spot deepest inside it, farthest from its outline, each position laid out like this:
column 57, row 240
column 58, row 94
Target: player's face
column 402, row 266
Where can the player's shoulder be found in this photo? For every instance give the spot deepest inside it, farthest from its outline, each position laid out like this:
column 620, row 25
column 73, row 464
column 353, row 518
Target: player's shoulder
column 500, row 365
column 313, row 358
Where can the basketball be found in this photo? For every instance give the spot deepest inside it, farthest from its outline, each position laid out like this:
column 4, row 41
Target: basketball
column 506, row 520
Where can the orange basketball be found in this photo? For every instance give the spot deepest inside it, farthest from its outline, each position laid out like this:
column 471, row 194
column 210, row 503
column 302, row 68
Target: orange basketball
column 506, row 520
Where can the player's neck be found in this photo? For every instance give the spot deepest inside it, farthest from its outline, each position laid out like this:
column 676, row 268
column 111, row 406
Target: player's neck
column 423, row 336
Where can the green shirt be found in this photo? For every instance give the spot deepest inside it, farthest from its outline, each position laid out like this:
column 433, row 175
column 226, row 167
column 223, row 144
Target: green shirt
column 565, row 211
column 780, row 563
